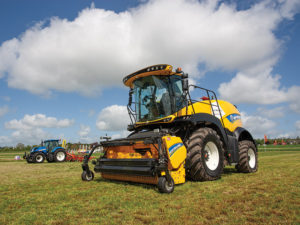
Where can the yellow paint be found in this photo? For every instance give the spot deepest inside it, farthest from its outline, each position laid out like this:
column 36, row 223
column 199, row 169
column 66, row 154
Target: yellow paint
column 175, row 149
column 204, row 107
column 64, row 143
column 163, row 72
column 178, row 175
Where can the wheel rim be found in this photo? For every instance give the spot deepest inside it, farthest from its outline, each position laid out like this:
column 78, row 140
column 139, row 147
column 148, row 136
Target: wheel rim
column 211, row 155
column 168, row 186
column 60, row 156
column 39, row 158
column 251, row 158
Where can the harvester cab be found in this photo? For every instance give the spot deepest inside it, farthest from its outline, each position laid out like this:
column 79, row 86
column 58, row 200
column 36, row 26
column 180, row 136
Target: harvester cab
column 173, row 136
column 52, row 150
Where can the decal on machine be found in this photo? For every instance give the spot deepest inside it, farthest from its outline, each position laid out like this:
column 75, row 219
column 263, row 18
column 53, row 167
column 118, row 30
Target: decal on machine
column 174, row 148
column 233, row 117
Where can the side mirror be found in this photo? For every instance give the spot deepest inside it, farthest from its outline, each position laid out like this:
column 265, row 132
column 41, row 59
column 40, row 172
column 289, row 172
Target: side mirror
column 185, row 84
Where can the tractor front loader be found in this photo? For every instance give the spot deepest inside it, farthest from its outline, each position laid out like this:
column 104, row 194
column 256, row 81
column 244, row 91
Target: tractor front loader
column 173, row 136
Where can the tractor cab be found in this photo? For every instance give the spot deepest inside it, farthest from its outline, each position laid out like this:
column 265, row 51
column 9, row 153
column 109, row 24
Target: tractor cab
column 51, row 144
column 158, row 93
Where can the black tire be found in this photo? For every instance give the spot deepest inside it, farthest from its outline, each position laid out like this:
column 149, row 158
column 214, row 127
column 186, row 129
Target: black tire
column 38, row 157
column 29, row 158
column 60, row 155
column 87, row 177
column 205, row 157
column 50, row 157
column 164, row 186
column 248, row 157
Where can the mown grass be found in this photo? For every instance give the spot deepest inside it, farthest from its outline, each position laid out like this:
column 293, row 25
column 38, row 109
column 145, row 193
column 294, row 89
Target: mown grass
column 52, row 193
column 279, row 148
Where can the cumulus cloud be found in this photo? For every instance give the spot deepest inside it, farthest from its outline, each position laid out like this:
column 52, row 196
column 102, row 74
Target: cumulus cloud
column 113, row 118
column 99, row 47
column 4, row 110
column 276, row 112
column 257, row 125
column 38, row 121
column 28, row 130
column 263, row 89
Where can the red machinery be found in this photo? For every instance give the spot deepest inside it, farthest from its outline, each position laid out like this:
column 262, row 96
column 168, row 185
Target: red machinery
column 71, row 157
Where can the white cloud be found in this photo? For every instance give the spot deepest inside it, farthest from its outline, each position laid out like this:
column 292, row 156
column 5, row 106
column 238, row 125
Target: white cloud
column 297, row 124
column 28, row 130
column 276, row 112
column 38, row 121
column 123, row 134
column 99, row 47
column 262, row 89
column 293, row 97
column 113, row 118
column 84, row 131
column 258, row 126
column 4, row 110
column 32, row 136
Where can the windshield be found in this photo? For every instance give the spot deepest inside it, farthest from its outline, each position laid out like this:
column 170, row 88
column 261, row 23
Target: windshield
column 157, row 97
column 51, row 144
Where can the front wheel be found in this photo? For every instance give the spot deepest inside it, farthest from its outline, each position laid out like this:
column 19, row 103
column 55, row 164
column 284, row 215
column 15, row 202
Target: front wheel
column 248, row 157
column 60, row 155
column 205, row 155
column 85, row 176
column 29, row 158
column 38, row 157
column 164, row 186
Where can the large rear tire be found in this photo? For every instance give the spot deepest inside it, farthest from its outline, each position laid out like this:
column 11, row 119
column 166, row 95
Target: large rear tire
column 248, row 157
column 205, row 157
column 60, row 155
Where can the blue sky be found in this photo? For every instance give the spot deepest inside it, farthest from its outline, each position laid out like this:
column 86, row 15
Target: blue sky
column 62, row 62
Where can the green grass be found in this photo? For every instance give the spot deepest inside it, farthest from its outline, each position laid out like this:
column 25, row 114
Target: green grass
column 279, row 148
column 53, row 193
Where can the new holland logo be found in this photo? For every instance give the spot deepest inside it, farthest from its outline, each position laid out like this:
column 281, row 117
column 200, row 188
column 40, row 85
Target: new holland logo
column 174, row 148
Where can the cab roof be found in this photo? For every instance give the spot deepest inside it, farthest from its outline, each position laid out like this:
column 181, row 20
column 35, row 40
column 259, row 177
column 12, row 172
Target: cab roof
column 159, row 69
column 50, row 140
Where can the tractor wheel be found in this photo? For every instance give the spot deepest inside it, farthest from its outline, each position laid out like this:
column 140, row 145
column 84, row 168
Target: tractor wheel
column 29, row 159
column 60, row 155
column 248, row 157
column 164, row 186
column 50, row 157
column 38, row 157
column 205, row 157
column 87, row 177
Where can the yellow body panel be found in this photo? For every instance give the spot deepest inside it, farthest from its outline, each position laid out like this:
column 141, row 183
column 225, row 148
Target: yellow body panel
column 64, row 143
column 178, row 175
column 229, row 113
column 176, row 151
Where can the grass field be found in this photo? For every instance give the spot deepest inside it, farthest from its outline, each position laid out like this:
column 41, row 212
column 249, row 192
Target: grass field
column 52, row 193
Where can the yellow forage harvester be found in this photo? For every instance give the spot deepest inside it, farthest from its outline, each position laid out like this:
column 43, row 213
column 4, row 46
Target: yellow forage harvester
column 174, row 136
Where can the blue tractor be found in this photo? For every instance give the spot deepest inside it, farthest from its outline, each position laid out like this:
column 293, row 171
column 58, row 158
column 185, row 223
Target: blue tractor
column 50, row 150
